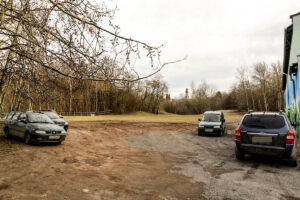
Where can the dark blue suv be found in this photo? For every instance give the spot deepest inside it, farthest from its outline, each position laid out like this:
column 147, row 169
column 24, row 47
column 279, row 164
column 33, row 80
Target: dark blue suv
column 266, row 133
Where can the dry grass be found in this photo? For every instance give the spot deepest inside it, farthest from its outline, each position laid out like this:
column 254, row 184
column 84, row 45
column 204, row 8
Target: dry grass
column 230, row 116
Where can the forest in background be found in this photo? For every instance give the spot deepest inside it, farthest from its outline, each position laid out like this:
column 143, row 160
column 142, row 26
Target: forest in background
column 257, row 88
column 34, row 90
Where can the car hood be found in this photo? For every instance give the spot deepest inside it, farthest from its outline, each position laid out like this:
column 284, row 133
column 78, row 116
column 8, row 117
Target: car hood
column 45, row 127
column 204, row 123
column 58, row 121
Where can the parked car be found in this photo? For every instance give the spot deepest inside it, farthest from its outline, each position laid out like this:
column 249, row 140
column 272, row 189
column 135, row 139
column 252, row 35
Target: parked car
column 33, row 127
column 266, row 133
column 57, row 119
column 212, row 122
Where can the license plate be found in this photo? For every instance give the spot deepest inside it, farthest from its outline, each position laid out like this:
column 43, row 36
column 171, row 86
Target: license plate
column 261, row 139
column 209, row 130
column 54, row 137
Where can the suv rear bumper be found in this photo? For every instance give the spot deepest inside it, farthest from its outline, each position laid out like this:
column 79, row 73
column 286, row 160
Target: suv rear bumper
column 265, row 150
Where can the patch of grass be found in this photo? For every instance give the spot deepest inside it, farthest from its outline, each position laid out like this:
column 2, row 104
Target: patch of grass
column 230, row 116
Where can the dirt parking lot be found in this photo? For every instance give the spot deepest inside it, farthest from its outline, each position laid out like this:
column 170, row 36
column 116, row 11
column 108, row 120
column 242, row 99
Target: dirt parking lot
column 135, row 160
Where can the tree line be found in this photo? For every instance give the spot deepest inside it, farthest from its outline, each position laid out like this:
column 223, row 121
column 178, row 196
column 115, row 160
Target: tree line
column 34, row 90
column 256, row 88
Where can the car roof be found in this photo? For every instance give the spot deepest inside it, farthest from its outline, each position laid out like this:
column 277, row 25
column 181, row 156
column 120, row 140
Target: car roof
column 29, row 111
column 265, row 113
column 33, row 111
column 213, row 112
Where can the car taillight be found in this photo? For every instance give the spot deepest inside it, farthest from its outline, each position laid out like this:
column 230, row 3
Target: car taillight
column 290, row 137
column 237, row 134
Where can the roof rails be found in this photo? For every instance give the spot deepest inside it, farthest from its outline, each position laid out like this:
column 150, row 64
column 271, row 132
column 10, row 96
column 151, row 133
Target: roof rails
column 264, row 112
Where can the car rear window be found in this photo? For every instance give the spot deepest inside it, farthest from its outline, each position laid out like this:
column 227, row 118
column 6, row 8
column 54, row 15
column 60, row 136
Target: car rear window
column 264, row 121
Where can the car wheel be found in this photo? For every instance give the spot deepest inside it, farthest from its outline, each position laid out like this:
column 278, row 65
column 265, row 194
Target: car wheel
column 27, row 138
column 293, row 161
column 239, row 155
column 220, row 134
column 200, row 133
column 6, row 133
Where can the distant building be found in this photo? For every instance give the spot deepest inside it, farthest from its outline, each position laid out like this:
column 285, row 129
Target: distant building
column 291, row 63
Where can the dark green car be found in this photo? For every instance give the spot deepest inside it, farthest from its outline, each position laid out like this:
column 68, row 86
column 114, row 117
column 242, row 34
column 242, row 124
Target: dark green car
column 33, row 127
column 212, row 122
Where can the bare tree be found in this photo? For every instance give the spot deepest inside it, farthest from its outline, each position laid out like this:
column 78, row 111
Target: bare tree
column 243, row 80
column 261, row 76
column 277, row 81
column 71, row 38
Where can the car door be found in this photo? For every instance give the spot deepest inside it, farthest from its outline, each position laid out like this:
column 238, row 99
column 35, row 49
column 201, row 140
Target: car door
column 13, row 124
column 21, row 125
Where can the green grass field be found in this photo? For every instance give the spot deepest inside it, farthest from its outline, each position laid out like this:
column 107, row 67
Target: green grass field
column 230, row 116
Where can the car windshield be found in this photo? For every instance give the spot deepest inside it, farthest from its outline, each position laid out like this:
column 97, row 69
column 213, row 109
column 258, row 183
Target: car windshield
column 38, row 118
column 210, row 117
column 264, row 121
column 52, row 115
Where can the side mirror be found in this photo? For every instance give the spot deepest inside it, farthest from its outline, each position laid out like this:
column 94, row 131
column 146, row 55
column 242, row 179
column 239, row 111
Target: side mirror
column 224, row 120
column 199, row 119
column 23, row 120
column 296, row 124
column 61, row 116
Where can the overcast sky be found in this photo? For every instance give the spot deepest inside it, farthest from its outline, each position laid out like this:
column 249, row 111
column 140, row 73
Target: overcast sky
column 218, row 36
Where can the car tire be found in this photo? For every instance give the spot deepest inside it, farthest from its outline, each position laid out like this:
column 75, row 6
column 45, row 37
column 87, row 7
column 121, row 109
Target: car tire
column 200, row 133
column 293, row 161
column 224, row 131
column 6, row 133
column 27, row 139
column 239, row 155
column 220, row 134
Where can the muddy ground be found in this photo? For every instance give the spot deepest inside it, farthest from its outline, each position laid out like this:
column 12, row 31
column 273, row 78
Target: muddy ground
column 127, row 160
